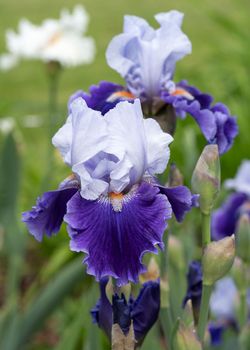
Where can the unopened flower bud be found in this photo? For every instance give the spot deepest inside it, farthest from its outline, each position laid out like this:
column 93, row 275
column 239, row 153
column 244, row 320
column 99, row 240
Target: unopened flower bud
column 152, row 273
column 164, row 288
column 218, row 258
column 186, row 339
column 238, row 273
column 206, row 177
column 243, row 238
column 176, row 253
column 175, row 177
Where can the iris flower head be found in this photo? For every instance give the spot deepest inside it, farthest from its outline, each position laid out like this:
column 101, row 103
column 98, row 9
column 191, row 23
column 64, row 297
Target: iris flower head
column 114, row 207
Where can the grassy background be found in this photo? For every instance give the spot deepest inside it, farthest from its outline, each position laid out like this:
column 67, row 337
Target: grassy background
column 219, row 64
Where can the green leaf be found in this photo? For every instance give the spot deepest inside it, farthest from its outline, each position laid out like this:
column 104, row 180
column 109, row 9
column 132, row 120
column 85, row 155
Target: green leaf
column 26, row 324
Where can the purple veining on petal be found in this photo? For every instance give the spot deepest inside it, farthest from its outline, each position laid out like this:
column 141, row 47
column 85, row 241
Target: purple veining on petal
column 115, row 241
column 102, row 97
column 224, row 219
column 46, row 217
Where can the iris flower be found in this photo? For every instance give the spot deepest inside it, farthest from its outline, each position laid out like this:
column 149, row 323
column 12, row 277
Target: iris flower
column 146, row 58
column 225, row 219
column 59, row 40
column 114, row 207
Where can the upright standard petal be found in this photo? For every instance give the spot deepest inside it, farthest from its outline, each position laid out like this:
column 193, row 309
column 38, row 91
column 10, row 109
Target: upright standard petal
column 241, row 182
column 224, row 219
column 119, row 154
column 116, row 240
column 46, row 217
column 146, row 57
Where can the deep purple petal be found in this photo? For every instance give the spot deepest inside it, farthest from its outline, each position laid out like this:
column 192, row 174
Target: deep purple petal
column 215, row 122
column 224, row 219
column 146, row 309
column 216, row 331
column 102, row 312
column 47, row 215
column 116, row 241
column 180, row 198
column 102, row 97
column 194, row 284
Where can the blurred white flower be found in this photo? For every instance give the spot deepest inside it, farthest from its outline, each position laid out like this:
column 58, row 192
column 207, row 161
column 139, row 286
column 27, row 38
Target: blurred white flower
column 7, row 61
column 59, row 40
column 7, row 124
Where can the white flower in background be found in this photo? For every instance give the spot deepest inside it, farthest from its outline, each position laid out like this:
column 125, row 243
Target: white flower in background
column 241, row 182
column 7, row 61
column 7, row 124
column 224, row 299
column 59, row 40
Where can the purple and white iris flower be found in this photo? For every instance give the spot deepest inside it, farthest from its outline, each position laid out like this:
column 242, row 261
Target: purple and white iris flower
column 114, row 208
column 146, row 58
column 225, row 219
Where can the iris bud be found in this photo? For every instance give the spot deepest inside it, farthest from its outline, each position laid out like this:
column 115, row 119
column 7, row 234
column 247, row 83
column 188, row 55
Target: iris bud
column 218, row 258
column 238, row 274
column 152, row 273
column 176, row 253
column 186, row 339
column 243, row 238
column 206, row 177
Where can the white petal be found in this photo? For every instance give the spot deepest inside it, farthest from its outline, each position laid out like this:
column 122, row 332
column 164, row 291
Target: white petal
column 91, row 188
column 62, row 140
column 223, row 299
column 127, row 142
column 158, row 152
column 241, row 182
column 171, row 16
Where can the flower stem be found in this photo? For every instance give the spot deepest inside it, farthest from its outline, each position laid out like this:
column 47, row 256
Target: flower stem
column 243, row 309
column 206, row 235
column 206, row 289
column 206, row 293
column 53, row 72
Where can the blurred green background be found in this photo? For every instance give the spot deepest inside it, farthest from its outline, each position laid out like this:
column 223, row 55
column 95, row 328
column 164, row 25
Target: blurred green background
column 219, row 64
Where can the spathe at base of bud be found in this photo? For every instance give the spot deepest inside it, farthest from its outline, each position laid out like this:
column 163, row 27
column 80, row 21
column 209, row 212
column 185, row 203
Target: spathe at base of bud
column 186, row 339
column 217, row 260
column 120, row 341
column 206, row 177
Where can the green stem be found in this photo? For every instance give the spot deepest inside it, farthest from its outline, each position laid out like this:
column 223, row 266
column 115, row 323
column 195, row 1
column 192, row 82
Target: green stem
column 206, row 290
column 206, row 293
column 206, row 230
column 53, row 71
column 243, row 309
column 166, row 323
